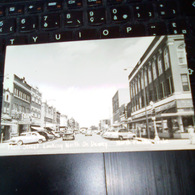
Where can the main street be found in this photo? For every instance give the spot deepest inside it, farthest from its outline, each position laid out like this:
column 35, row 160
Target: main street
column 91, row 144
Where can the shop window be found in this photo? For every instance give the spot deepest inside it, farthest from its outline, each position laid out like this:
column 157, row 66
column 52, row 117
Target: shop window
column 185, row 82
column 150, row 95
column 166, row 58
column 169, row 90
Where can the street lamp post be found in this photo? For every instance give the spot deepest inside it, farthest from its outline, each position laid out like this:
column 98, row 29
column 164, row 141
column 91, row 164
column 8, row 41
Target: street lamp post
column 156, row 138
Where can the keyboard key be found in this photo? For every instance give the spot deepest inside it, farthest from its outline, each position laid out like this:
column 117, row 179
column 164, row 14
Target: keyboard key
column 87, row 34
column 74, row 4
column 96, row 16
column 63, row 36
column 94, row 2
column 167, row 9
column 73, row 19
column 112, row 2
column 133, row 30
column 39, row 38
column 19, row 40
column 35, row 7
column 157, row 29
column 143, row 12
column 134, row 1
column 54, row 5
column 7, row 26
column 27, row 24
column 2, row 11
column 110, row 32
column 50, row 21
column 120, row 14
column 19, row 9
column 178, row 27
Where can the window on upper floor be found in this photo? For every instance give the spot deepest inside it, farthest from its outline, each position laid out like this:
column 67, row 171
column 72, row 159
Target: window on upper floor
column 181, row 53
column 160, row 68
column 145, row 78
column 154, row 69
column 185, row 82
column 166, row 58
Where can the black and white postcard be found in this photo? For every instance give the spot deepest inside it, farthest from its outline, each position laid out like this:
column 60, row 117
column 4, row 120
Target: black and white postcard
column 127, row 94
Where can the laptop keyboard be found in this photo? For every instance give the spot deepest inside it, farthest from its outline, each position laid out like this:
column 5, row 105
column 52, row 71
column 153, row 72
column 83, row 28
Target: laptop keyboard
column 31, row 22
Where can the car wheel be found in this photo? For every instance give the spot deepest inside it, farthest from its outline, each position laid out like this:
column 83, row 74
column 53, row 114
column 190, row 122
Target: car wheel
column 121, row 138
column 19, row 143
column 40, row 141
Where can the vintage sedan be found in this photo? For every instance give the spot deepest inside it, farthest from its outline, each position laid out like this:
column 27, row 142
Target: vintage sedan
column 26, row 138
column 88, row 132
column 68, row 135
column 119, row 134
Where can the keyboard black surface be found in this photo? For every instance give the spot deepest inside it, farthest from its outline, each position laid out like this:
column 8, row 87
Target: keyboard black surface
column 34, row 22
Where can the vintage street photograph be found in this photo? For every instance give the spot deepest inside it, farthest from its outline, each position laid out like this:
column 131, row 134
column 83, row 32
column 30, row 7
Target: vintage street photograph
column 116, row 95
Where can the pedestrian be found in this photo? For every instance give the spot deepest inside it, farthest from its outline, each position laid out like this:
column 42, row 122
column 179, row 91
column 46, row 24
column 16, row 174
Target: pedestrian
column 191, row 133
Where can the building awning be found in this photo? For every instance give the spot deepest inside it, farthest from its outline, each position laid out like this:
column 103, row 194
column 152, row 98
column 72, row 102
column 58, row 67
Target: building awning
column 164, row 115
column 190, row 113
column 116, row 124
column 38, row 128
column 50, row 128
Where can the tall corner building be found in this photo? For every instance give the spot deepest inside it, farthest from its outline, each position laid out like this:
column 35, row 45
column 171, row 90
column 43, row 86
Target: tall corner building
column 161, row 79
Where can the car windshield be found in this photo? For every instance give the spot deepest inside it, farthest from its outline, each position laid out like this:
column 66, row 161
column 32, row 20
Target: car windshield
column 23, row 134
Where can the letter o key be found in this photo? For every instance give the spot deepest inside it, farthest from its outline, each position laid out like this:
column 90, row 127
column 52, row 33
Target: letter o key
column 105, row 32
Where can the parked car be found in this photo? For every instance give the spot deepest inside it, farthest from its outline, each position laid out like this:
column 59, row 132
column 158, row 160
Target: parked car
column 43, row 133
column 50, row 135
column 119, row 134
column 68, row 135
column 61, row 133
column 76, row 131
column 88, row 133
column 98, row 132
column 26, row 138
column 57, row 135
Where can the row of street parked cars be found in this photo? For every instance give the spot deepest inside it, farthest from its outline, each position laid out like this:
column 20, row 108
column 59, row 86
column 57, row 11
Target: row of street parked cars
column 115, row 134
column 41, row 136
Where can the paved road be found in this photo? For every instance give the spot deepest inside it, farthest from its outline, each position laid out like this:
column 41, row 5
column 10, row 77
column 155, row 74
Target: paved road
column 94, row 143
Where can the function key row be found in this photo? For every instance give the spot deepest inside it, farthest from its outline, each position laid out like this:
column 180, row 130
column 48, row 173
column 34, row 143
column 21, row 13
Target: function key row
column 142, row 10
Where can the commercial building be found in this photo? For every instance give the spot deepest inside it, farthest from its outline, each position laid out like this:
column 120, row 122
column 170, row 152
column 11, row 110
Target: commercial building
column 119, row 103
column 36, row 101
column 104, row 124
column 50, row 118
column 17, row 102
column 159, row 87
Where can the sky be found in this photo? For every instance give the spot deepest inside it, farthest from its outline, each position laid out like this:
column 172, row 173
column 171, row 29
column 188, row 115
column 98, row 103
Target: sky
column 79, row 78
